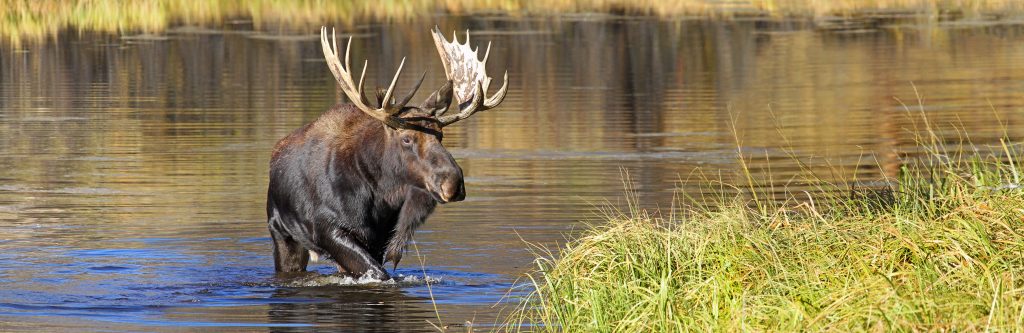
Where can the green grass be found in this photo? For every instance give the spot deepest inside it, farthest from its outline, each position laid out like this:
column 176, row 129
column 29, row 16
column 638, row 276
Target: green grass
column 941, row 250
column 32, row 20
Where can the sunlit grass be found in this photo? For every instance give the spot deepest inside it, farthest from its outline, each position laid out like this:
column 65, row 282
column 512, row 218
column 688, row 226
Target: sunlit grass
column 36, row 19
column 942, row 249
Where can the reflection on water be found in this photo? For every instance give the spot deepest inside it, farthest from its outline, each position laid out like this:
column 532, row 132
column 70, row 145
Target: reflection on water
column 133, row 171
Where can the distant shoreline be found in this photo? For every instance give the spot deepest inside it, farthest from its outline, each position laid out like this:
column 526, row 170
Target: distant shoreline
column 25, row 21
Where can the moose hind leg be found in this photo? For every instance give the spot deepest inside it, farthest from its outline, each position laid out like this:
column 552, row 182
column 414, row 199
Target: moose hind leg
column 289, row 256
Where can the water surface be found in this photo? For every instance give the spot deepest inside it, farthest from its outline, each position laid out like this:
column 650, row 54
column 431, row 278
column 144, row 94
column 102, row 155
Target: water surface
column 133, row 169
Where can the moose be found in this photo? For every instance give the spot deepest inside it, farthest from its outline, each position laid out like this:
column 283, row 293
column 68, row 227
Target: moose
column 353, row 185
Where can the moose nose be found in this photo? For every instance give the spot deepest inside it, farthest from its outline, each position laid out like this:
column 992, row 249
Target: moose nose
column 453, row 191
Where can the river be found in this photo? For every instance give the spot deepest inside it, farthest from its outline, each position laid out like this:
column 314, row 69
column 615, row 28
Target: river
column 133, row 168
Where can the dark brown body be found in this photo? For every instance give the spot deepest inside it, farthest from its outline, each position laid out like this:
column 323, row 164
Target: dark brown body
column 354, row 184
column 348, row 188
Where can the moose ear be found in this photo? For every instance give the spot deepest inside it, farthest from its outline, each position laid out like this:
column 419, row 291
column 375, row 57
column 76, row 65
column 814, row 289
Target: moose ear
column 380, row 97
column 438, row 102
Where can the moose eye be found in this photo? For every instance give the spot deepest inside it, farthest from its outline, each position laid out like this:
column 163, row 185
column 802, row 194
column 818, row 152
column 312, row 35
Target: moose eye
column 406, row 140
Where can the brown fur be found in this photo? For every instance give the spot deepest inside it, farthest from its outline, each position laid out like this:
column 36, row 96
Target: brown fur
column 348, row 176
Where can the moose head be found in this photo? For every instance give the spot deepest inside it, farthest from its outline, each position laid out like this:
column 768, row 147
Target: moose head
column 415, row 133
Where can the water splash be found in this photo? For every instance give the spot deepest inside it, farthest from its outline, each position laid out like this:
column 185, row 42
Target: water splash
column 399, row 280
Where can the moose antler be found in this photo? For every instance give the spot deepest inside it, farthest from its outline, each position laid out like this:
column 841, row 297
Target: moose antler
column 468, row 76
column 389, row 108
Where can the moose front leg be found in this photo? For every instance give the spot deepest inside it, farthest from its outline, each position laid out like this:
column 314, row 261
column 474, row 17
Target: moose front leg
column 351, row 257
column 418, row 205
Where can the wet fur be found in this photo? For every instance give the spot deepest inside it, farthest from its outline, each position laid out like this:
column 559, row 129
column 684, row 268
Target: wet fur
column 335, row 191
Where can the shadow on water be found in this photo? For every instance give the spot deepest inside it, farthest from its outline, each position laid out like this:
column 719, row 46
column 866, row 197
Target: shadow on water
column 133, row 170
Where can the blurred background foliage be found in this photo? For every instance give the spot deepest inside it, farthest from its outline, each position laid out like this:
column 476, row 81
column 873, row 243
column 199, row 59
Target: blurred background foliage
column 22, row 20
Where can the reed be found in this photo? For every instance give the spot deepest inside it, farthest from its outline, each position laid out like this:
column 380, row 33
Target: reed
column 37, row 19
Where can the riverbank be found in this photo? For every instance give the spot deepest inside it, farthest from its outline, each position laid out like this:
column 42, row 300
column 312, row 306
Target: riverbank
column 941, row 250
column 22, row 20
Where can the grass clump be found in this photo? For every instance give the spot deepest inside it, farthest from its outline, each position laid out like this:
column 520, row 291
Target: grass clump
column 941, row 250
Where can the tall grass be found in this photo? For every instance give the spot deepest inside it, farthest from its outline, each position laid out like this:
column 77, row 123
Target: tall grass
column 36, row 19
column 940, row 250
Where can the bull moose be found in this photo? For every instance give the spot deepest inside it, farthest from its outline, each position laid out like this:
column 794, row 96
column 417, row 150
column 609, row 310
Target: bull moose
column 354, row 184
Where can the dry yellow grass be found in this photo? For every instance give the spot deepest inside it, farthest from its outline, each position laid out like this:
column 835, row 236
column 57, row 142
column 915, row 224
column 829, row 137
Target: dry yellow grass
column 940, row 250
column 36, row 19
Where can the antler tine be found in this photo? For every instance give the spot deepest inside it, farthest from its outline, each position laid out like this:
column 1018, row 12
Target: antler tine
column 348, row 66
column 328, row 54
column 362, row 76
column 487, row 54
column 499, row 95
column 391, row 89
column 416, row 87
column 348, row 48
column 343, row 74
